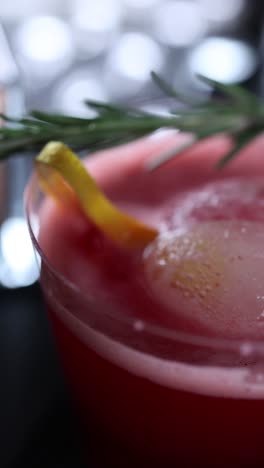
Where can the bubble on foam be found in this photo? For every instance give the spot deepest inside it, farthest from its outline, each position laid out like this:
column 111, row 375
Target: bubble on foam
column 259, row 377
column 246, row 349
column 260, row 318
column 139, row 325
column 255, row 375
column 212, row 281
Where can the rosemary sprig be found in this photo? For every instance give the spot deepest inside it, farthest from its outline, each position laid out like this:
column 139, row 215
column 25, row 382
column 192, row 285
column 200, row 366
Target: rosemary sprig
column 239, row 113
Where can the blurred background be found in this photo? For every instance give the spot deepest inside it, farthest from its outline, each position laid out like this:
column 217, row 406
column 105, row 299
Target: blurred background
column 53, row 55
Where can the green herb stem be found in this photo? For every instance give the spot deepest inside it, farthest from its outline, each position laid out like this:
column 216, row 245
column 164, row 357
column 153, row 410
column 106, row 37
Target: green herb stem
column 238, row 113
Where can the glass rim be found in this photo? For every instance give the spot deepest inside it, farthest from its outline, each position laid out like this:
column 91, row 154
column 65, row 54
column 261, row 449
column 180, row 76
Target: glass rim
column 247, row 346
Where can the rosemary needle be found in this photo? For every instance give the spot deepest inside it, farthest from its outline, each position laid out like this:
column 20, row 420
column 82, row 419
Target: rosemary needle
column 239, row 114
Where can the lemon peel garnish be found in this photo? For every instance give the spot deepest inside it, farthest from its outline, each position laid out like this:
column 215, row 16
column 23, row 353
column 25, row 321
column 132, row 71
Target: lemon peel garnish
column 61, row 174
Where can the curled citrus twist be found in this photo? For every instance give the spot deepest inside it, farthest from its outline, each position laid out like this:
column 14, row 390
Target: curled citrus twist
column 62, row 175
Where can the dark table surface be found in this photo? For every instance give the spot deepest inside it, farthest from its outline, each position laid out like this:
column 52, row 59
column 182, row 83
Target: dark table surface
column 38, row 427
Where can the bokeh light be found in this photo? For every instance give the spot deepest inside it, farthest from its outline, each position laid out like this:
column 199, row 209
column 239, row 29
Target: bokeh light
column 75, row 89
column 12, row 11
column 95, row 24
column 130, row 62
column 222, row 10
column 18, row 266
column 44, row 45
column 223, row 59
column 178, row 23
column 142, row 4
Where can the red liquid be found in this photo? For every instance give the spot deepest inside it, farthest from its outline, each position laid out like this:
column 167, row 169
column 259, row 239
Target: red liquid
column 157, row 401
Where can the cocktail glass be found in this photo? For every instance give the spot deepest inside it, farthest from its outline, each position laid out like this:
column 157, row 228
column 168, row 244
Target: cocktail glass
column 149, row 394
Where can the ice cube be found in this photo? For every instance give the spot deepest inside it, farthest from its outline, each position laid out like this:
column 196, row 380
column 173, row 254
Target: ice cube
column 211, row 273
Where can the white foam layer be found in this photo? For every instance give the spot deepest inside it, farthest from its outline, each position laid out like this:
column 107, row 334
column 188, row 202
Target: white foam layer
column 236, row 382
column 241, row 198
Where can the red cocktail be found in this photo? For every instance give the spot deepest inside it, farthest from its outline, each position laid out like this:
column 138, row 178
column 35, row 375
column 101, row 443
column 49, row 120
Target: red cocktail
column 163, row 348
